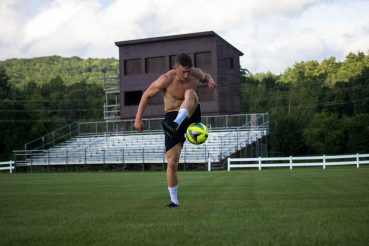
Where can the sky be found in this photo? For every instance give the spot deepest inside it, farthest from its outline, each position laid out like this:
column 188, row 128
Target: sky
column 273, row 35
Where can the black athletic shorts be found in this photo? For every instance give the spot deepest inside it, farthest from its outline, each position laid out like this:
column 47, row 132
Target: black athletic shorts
column 179, row 137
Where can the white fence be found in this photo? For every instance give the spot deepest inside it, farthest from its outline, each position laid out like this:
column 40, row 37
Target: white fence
column 7, row 165
column 293, row 161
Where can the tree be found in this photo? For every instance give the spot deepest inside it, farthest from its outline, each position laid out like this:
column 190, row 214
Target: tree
column 286, row 134
column 324, row 134
column 357, row 131
column 4, row 84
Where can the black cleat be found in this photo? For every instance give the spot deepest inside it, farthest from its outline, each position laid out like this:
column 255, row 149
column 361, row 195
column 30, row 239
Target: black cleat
column 172, row 205
column 169, row 127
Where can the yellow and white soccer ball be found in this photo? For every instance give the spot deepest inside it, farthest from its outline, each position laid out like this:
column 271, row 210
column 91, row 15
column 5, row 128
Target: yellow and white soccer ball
column 197, row 133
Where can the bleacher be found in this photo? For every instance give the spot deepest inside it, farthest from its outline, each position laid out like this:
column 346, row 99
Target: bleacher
column 121, row 147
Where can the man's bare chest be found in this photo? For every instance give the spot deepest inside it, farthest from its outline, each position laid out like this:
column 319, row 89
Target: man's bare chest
column 178, row 88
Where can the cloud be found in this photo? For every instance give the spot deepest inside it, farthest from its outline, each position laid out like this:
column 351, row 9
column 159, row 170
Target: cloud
column 272, row 34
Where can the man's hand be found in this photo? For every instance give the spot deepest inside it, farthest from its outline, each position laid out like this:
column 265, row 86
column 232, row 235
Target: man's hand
column 211, row 84
column 139, row 125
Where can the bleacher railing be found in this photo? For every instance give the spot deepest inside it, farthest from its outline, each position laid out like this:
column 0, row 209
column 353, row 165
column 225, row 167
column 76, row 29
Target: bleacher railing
column 55, row 137
column 154, row 124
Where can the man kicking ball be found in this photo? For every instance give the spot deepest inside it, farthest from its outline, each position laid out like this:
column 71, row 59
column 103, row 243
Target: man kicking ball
column 181, row 104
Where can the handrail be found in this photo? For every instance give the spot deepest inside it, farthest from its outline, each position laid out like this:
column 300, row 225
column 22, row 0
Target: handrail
column 265, row 125
column 52, row 134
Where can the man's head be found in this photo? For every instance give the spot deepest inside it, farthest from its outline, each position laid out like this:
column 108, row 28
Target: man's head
column 184, row 60
column 183, row 66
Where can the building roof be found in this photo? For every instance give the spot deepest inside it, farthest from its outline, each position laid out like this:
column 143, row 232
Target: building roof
column 174, row 38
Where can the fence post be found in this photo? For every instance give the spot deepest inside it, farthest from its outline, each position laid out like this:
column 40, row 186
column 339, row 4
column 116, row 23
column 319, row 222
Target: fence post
column 290, row 162
column 229, row 164
column 85, row 158
column 104, row 159
column 221, row 148
column 48, row 157
column 237, row 140
column 15, row 159
column 259, row 163
column 323, row 161
column 209, row 163
column 10, row 166
column 123, row 160
column 357, row 160
column 143, row 159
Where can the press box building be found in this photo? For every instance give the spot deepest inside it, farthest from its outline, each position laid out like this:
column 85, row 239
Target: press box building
column 142, row 61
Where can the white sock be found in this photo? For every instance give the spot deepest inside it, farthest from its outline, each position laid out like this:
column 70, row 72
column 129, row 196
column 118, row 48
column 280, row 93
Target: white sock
column 182, row 114
column 173, row 194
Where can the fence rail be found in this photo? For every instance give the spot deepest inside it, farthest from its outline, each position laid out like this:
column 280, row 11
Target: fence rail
column 7, row 165
column 294, row 161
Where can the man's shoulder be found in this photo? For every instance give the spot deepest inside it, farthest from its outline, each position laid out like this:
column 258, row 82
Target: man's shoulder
column 165, row 79
column 170, row 74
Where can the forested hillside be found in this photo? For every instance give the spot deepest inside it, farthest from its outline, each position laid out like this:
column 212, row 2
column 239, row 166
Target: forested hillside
column 315, row 107
column 41, row 70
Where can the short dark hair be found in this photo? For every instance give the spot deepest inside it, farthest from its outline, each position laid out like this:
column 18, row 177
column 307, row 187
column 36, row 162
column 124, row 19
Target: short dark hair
column 184, row 60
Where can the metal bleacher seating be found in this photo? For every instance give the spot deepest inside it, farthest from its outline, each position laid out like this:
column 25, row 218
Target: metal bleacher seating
column 141, row 148
column 84, row 144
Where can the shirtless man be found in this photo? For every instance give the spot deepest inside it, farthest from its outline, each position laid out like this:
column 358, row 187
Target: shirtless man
column 182, row 108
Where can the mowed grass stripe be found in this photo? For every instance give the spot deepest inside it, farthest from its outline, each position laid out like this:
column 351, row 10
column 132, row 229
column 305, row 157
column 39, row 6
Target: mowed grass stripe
column 306, row 206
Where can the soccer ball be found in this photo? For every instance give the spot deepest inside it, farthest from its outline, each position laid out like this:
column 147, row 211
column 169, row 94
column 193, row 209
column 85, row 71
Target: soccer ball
column 197, row 133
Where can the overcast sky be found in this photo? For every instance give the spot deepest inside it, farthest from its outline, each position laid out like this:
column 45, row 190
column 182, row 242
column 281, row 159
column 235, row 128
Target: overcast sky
column 273, row 34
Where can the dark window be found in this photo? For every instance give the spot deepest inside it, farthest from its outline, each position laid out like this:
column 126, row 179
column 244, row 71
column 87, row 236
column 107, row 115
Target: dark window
column 132, row 97
column 229, row 63
column 155, row 64
column 203, row 60
column 172, row 61
column 132, row 66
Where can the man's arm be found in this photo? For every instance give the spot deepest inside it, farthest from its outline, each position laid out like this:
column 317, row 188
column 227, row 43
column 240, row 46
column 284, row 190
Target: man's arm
column 204, row 78
column 158, row 85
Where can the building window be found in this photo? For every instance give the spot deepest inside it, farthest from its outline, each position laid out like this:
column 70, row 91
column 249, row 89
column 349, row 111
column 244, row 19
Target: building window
column 203, row 60
column 132, row 98
column 155, row 64
column 132, row 66
column 172, row 61
column 229, row 63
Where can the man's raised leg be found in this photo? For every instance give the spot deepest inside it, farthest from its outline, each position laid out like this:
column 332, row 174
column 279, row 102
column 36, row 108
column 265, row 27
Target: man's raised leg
column 186, row 109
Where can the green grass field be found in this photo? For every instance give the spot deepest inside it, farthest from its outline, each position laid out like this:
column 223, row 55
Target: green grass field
column 306, row 206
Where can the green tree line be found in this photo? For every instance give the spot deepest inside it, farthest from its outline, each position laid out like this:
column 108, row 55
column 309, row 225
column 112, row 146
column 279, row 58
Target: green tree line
column 315, row 107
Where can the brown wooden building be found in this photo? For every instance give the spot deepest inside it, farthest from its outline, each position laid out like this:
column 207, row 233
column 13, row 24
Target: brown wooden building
column 144, row 60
